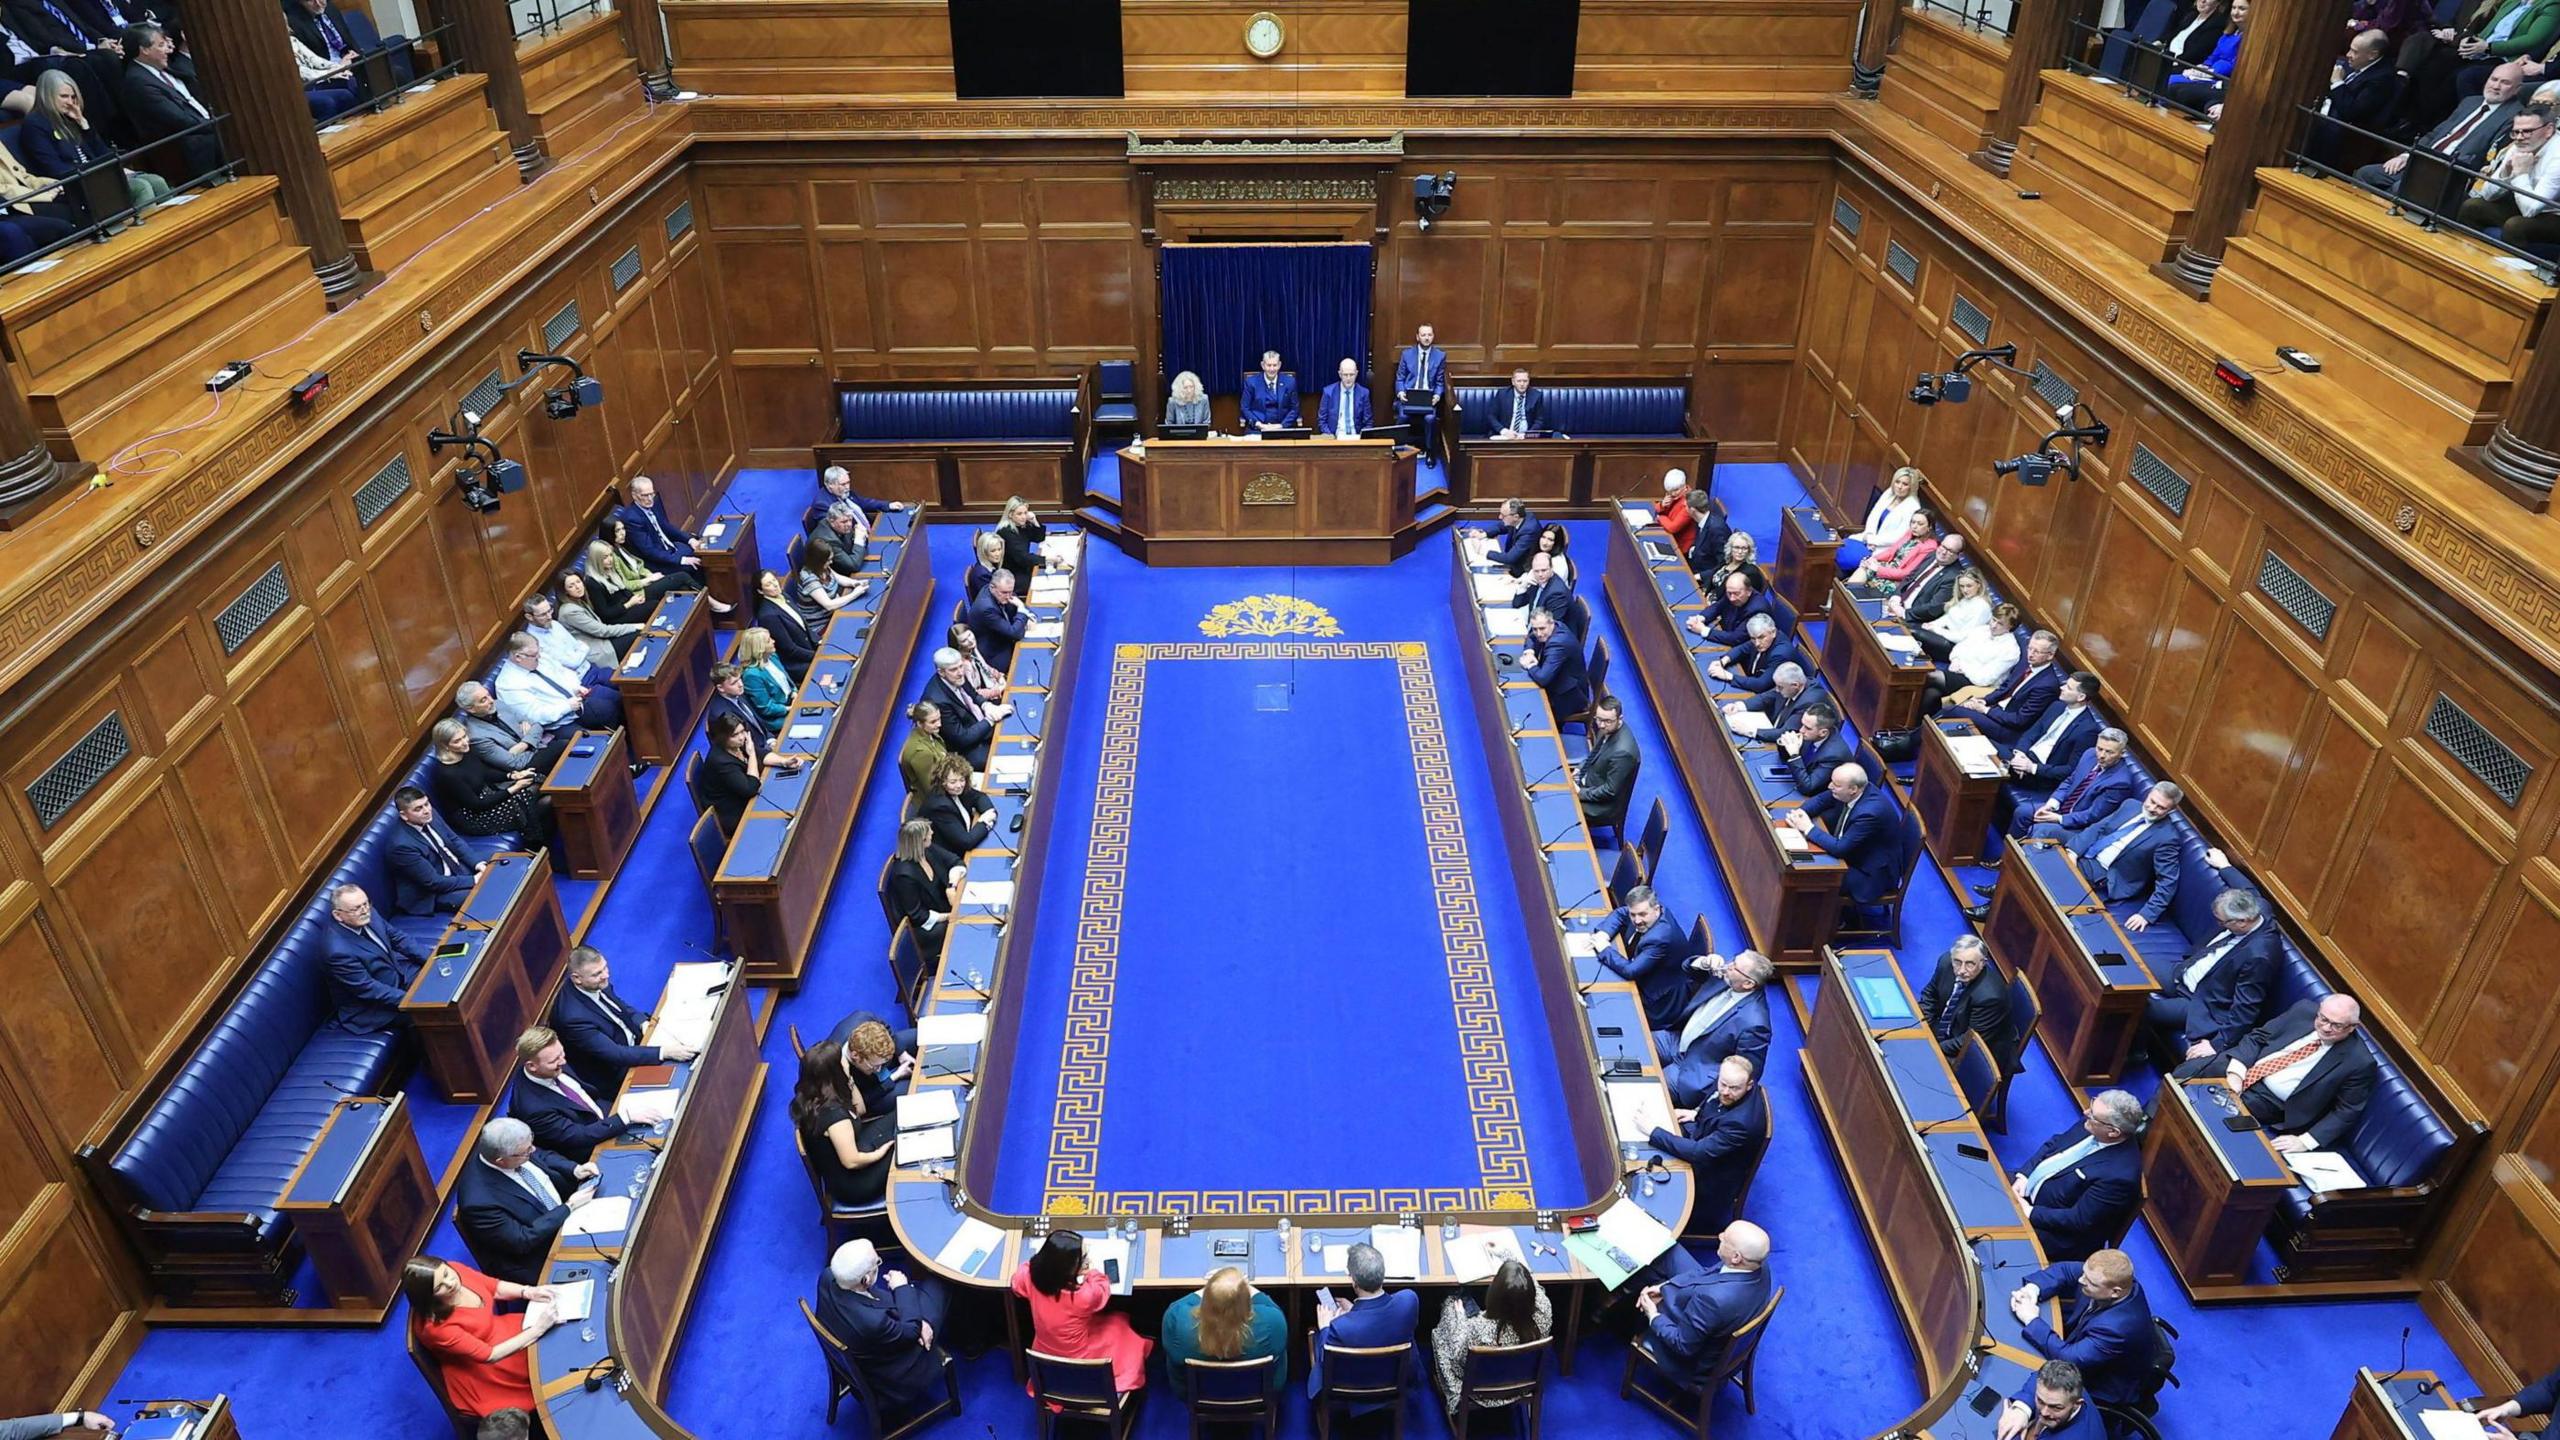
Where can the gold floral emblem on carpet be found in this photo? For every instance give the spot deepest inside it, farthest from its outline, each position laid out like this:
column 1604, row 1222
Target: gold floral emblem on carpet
column 1269, row 615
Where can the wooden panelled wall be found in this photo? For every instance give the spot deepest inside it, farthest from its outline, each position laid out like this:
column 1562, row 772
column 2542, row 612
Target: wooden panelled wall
column 1035, row 260
column 126, row 922
column 2297, row 721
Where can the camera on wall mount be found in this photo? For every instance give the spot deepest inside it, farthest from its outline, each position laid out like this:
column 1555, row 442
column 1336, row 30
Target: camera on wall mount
column 563, row 402
column 1955, row 386
column 482, row 477
column 1432, row 194
column 2037, row 466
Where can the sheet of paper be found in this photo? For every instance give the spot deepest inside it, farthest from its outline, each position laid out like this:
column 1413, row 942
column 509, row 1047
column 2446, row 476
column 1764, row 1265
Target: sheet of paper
column 1045, row 630
column 648, row 1107
column 1051, row 592
column 1599, row 1259
column 958, row 1028
column 690, row 1033
column 2325, row 1170
column 1401, row 1247
column 1749, row 722
column 1637, row 1108
column 1792, row 840
column 1506, row 624
column 2451, row 1425
column 1634, row 1231
column 1012, row 769
column 1975, row 753
column 1636, row 516
column 604, row 1215
column 970, row 1247
column 993, row 893
column 1496, row 589
column 924, row 1109
column 1477, row 1253
column 915, row 1147
column 574, row 1300
column 1585, row 942
column 1110, row 1255
column 1898, row 643
column 714, row 530
column 808, row 730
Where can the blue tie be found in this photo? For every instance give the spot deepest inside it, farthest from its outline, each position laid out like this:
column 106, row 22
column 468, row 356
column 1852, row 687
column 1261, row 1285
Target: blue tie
column 329, row 32
column 74, row 26
column 555, row 685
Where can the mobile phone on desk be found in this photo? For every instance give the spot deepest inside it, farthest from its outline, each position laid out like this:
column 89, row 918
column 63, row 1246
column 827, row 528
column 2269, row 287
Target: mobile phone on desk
column 2240, row 1124
column 1971, row 1151
column 582, row 750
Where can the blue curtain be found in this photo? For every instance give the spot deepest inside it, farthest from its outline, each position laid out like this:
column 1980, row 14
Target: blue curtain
column 1223, row 305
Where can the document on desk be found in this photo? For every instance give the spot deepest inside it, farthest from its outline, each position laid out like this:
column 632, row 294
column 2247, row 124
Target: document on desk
column 2452, row 1425
column 1897, row 642
column 1045, row 630
column 915, row 1147
column 924, row 1109
column 807, row 730
column 1584, row 942
column 1636, row 516
column 1509, row 624
column 713, row 531
column 1746, row 723
column 604, row 1215
column 574, row 1300
column 1110, row 1255
column 1975, row 753
column 1882, row 1000
column 1480, row 1251
column 1400, row 1246
column 1496, row 589
column 1792, row 840
column 970, row 1247
column 648, row 1107
column 993, row 894
column 967, row 1027
column 2324, row 1171
column 1637, row 1109
column 1045, row 591
column 1012, row 769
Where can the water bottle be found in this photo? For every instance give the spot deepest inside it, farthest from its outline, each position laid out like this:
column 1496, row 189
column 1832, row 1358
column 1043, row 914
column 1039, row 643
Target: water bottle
column 444, row 966
column 1283, row 1231
column 587, row 1329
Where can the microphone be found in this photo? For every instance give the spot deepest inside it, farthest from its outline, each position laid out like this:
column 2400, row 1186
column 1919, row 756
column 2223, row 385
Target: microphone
column 696, row 947
column 1550, row 775
column 972, row 983
column 1042, row 682
column 1519, row 725
column 1578, row 904
column 1559, row 837
column 2401, row 1368
column 968, row 1080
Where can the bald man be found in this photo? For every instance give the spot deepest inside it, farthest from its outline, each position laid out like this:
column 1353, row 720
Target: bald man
column 1690, row 1316
column 2304, row 1074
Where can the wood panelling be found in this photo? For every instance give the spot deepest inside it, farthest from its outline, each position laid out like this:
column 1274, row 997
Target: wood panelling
column 406, row 175
column 2127, row 171
column 1945, row 79
column 579, row 83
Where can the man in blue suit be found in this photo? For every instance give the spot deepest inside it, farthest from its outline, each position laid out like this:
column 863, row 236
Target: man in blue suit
column 2133, row 852
column 654, row 536
column 1720, row 1139
column 2222, row 991
column 1728, row 620
column 2106, row 1324
column 888, row 1324
column 1541, row 590
column 1723, row 1020
column 1753, row 664
column 512, row 1200
column 2043, row 757
column 2097, row 782
column 1553, row 658
column 1519, row 411
column 600, row 1030
column 1422, row 367
column 2055, row 1404
column 2082, row 1186
column 371, row 965
column 1343, row 410
column 1789, row 695
column 1689, row 1317
column 998, row 620
column 431, row 869
column 2013, row 708
column 1514, row 538
column 1371, row 1318
column 1270, row 399
column 1854, row 822
column 1815, row 750
column 1651, row 955
column 565, row 1115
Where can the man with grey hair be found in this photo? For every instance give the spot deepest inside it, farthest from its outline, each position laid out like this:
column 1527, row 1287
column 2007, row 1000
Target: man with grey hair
column 2082, row 1186
column 1966, row 995
column 1753, row 664
column 968, row 722
column 1791, row 692
column 2221, row 991
column 2097, row 783
column 836, row 483
column 371, row 965
column 1370, row 1318
column 508, row 1424
column 887, row 1324
column 537, row 690
column 521, row 748
column 2009, row 712
column 847, row 531
column 512, row 1199
column 1731, row 1018
column 1853, row 822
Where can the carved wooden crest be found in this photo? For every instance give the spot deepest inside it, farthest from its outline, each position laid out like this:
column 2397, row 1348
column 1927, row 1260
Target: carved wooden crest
column 1270, row 488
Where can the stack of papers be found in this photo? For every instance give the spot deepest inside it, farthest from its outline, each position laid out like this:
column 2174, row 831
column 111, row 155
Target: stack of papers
column 1627, row 1240
column 1585, row 942
column 1511, row 624
column 2325, row 1171
column 1636, row 516
column 807, row 729
column 915, row 1147
column 1045, row 630
column 1011, row 769
column 1496, row 589
column 604, row 1215
column 967, row 1027
column 1749, row 722
column 924, row 1109
column 1400, row 1246
column 1792, row 840
column 1045, row 591
column 2452, row 1424
column 1897, row 642
column 648, row 1107
column 574, row 1300
column 1976, row 754
column 970, row 1247
column 993, row 894
column 1637, row 1109
column 714, row 530
column 1478, row 1252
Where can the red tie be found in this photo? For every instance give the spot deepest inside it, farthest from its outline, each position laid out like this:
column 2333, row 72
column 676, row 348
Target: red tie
column 2071, row 797
column 2273, row 1063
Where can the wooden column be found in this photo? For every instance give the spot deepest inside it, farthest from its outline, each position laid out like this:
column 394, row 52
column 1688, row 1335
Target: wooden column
column 2283, row 65
column 649, row 46
column 246, row 58
column 487, row 39
column 2523, row 453
column 2035, row 45
column 1875, row 36
column 30, row 480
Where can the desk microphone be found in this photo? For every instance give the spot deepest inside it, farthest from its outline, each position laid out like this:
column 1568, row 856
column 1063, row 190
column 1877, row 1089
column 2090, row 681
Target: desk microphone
column 970, row 983
column 1042, row 683
column 2403, row 1367
column 968, row 1080
column 1578, row 904
column 696, row 947
column 1550, row 775
column 1559, row 837
column 1519, row 725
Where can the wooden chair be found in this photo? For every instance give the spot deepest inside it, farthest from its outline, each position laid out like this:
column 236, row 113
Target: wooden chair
column 1707, row 1219
column 1657, row 828
column 1231, row 1392
column 1505, row 1381
column 1596, row 669
column 1064, row 1389
column 797, row 1049
column 1628, row 873
column 709, row 845
column 1690, row 1409
column 909, row 969
column 693, row 779
column 1577, row 618
column 1702, row 937
column 1977, row 1073
column 1887, row 908
column 1358, row 1377
column 2022, row 1023
column 466, row 1426
column 845, row 1378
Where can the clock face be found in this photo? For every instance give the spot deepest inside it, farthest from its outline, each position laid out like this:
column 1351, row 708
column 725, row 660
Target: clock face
column 1263, row 35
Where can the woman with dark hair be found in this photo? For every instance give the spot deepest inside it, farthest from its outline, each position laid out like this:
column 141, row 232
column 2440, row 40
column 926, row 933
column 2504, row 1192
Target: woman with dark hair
column 732, row 772
column 1514, row 1312
column 453, row 1310
column 958, row 811
column 818, row 588
column 476, row 795
column 793, row 639
column 922, row 883
column 1226, row 1319
column 613, row 566
column 1552, row 541
column 851, row 1156
column 1067, row 1314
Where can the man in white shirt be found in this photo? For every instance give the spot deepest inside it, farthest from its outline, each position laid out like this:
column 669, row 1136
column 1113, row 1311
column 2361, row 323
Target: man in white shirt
column 2304, row 1075
column 2521, row 181
column 534, row 689
column 561, row 647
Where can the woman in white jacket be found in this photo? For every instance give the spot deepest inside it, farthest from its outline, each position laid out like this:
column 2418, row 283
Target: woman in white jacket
column 1888, row 520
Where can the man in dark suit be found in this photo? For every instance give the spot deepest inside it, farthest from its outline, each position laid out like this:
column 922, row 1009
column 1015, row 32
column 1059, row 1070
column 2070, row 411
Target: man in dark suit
column 566, row 1116
column 1728, row 620
column 1728, row 1016
column 1721, row 1139
column 1689, row 1316
column 2362, row 90
column 1369, row 1319
column 2099, row 781
column 998, row 620
column 1652, row 954
column 2012, row 709
column 1270, row 399
column 431, row 869
column 2082, row 1186
column 968, row 722
column 2045, row 755
column 600, row 1030
column 1519, row 411
column 1343, row 410
column 654, row 535
column 2304, row 1075
column 1422, row 366
column 2211, row 1000
column 1966, row 994
column 1753, row 664
column 1808, row 756
column 1513, row 538
column 2055, row 1404
column 1789, row 695
column 62, row 29
column 1923, row 596
column 371, row 965
column 2106, row 1324
column 2464, row 137
column 1553, row 658
column 157, row 102
column 512, row 1200
column 1606, row 780
column 887, row 1323
column 347, row 36
column 2132, row 854
column 2537, row 1398
column 1862, row 832
column 1541, row 590
column 729, row 697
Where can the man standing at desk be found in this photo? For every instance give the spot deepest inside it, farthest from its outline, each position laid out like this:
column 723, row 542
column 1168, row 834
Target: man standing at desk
column 1422, row 377
column 1344, row 410
column 1270, row 400
column 1521, row 412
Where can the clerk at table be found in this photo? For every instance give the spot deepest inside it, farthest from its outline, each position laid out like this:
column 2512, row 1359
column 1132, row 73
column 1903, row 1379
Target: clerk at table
column 1270, row 399
column 1343, row 411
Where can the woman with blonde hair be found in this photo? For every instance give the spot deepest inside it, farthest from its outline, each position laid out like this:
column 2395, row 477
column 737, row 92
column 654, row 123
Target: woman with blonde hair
column 768, row 684
column 60, row 144
column 920, row 759
column 1226, row 1319
column 1188, row 404
column 1888, row 520
column 986, row 558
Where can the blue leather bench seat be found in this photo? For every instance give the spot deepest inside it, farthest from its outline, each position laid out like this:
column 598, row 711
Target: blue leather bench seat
column 1585, row 412
column 925, row 413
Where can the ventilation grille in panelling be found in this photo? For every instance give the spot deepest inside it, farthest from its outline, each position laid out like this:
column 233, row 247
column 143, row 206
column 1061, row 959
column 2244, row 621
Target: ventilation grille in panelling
column 2476, row 750
column 2056, row 391
column 1846, row 216
column 1904, row 265
column 626, row 268
column 557, row 331
column 261, row 602
column 1970, row 321
column 484, row 397
column 62, row 787
column 375, row 497
column 679, row 220
column 2296, row 596
column 2165, row 484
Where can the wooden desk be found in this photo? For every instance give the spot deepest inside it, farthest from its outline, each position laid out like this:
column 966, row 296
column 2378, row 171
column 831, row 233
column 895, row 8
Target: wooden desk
column 592, row 797
column 514, row 947
column 2090, row 979
column 1789, row 901
column 1877, row 689
column 665, row 679
column 1267, row 502
column 362, row 1200
column 2208, row 1191
column 1808, row 560
column 1957, row 809
column 730, row 564
column 2387, row 1409
column 169, row 1419
column 1569, row 471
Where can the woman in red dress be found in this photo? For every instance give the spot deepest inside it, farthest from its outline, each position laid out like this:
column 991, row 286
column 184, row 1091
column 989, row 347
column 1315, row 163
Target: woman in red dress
column 1067, row 1318
column 479, row 1351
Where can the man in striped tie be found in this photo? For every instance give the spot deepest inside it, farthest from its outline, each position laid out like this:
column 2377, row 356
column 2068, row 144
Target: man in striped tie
column 2304, row 1074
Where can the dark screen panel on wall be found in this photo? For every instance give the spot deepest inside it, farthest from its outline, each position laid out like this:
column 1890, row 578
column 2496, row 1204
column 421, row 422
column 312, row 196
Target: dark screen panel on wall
column 1023, row 49
column 1489, row 47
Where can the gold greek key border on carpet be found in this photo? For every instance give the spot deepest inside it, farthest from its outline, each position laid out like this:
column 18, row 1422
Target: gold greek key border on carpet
column 1075, row 1146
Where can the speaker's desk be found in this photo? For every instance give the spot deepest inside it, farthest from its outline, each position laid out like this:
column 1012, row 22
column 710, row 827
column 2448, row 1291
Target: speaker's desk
column 1267, row 502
